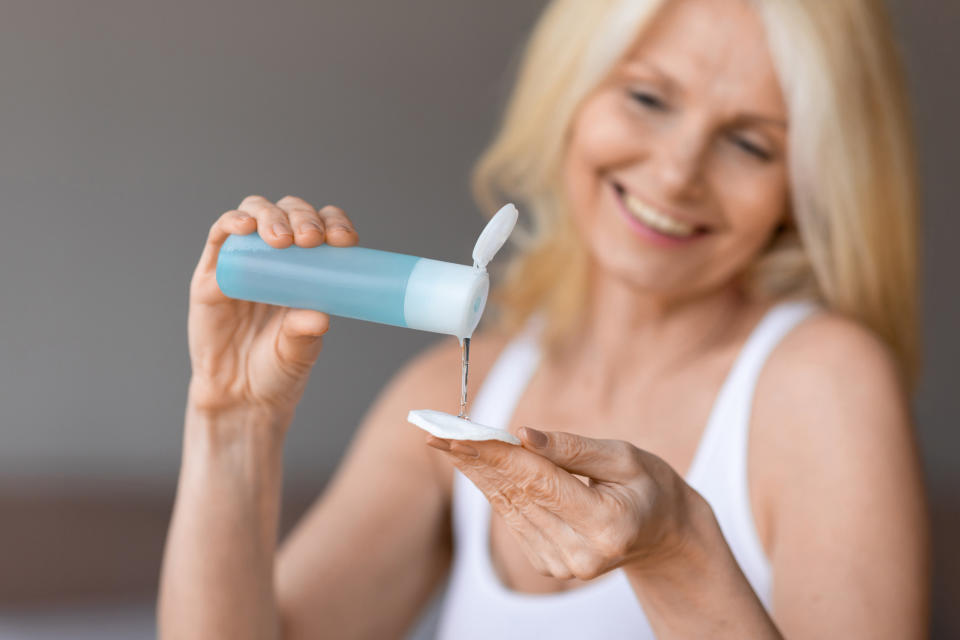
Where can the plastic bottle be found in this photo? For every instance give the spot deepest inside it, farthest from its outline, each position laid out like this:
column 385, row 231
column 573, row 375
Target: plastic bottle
column 356, row 282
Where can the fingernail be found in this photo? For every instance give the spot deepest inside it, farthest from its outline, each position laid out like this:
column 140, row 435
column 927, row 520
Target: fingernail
column 280, row 229
column 341, row 227
column 438, row 443
column 307, row 227
column 464, row 449
column 534, row 437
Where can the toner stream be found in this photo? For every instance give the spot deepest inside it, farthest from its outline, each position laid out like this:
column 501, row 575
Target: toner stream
column 464, row 369
column 459, row 427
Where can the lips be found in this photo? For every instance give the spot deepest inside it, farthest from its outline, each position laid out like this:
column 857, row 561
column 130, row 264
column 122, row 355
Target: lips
column 657, row 220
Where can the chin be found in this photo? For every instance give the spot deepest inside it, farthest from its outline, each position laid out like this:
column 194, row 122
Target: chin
column 645, row 274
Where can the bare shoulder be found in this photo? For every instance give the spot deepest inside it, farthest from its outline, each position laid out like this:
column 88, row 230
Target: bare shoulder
column 831, row 371
column 835, row 473
column 830, row 422
column 830, row 393
column 836, row 484
column 833, row 348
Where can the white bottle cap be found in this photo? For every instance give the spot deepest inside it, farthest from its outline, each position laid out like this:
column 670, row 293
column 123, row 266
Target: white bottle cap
column 445, row 297
column 494, row 235
column 450, row 298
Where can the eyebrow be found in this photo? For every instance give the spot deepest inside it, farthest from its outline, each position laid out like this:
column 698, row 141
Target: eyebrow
column 650, row 66
column 752, row 118
column 761, row 119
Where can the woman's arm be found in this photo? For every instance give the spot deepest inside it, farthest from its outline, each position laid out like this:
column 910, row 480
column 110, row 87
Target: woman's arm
column 845, row 506
column 369, row 553
column 836, row 478
column 216, row 578
column 250, row 365
column 698, row 590
column 636, row 513
column 361, row 563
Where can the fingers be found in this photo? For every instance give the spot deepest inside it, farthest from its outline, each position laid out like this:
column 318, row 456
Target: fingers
column 294, row 220
column 552, row 544
column 231, row 222
column 307, row 225
column 534, row 527
column 339, row 228
column 533, row 473
column 272, row 221
column 535, row 540
column 291, row 220
column 525, row 480
column 299, row 339
column 605, row 460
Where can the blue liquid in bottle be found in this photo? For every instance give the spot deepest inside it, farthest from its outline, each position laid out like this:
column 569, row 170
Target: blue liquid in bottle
column 354, row 282
column 366, row 284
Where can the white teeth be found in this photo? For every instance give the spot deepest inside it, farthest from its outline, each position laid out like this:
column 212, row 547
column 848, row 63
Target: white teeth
column 656, row 220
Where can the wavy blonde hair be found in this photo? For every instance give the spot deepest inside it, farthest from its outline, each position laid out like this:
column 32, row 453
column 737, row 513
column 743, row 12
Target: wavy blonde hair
column 853, row 244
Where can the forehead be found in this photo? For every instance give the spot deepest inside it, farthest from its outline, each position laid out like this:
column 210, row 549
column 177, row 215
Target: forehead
column 715, row 48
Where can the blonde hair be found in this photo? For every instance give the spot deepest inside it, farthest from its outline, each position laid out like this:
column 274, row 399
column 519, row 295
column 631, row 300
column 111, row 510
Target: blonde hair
column 852, row 172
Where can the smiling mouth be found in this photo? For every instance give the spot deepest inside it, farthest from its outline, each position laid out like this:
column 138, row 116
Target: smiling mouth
column 658, row 221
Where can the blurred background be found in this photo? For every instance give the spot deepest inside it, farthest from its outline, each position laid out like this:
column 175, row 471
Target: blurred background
column 127, row 127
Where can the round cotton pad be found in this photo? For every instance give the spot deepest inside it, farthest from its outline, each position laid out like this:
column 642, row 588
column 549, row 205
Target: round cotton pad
column 444, row 425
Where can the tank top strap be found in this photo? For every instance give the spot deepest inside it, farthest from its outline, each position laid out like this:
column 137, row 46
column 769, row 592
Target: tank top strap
column 769, row 332
column 729, row 422
column 719, row 469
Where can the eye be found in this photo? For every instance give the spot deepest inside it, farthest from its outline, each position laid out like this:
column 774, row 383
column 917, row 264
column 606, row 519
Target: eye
column 648, row 100
column 752, row 148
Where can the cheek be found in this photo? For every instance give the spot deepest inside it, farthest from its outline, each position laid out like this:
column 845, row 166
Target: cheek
column 600, row 137
column 600, row 140
column 757, row 207
column 754, row 207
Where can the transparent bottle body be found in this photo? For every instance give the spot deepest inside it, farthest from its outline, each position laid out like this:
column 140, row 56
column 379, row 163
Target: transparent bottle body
column 355, row 282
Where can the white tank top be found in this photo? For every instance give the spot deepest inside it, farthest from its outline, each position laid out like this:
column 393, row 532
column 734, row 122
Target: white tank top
column 478, row 605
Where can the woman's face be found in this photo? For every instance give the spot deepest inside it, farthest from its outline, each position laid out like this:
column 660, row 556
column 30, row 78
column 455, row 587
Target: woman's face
column 676, row 165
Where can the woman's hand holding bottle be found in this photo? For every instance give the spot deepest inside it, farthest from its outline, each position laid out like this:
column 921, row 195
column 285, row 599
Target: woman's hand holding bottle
column 250, row 363
column 251, row 357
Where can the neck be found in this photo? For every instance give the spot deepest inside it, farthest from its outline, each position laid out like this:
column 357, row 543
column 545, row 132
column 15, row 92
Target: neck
column 626, row 331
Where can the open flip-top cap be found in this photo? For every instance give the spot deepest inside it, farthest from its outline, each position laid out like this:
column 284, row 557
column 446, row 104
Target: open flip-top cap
column 494, row 235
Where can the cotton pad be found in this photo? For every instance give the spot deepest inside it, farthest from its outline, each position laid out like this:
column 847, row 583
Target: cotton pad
column 444, row 425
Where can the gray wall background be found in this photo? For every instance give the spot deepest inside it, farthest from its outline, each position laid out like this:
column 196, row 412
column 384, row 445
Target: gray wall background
column 127, row 127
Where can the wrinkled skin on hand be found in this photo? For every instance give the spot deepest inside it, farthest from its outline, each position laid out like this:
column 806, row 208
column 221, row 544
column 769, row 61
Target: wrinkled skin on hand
column 633, row 511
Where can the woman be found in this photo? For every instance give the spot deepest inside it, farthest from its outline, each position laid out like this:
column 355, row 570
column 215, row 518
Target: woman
column 711, row 324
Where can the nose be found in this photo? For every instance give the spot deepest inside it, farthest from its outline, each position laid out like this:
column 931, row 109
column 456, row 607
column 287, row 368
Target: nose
column 678, row 160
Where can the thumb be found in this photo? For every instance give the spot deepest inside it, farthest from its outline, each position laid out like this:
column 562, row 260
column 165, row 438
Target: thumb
column 605, row 460
column 299, row 340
